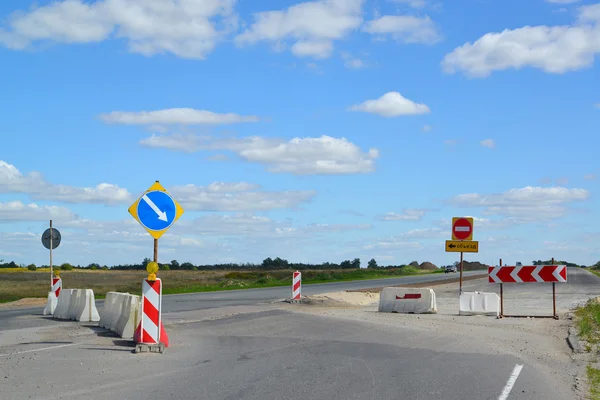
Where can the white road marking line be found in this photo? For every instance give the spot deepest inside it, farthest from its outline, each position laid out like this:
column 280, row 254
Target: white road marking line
column 511, row 382
column 42, row 349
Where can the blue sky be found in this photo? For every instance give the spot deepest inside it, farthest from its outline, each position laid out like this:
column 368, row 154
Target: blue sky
column 313, row 131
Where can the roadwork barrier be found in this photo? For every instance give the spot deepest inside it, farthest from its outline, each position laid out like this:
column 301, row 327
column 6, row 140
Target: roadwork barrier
column 479, row 303
column 407, row 300
column 120, row 313
column 53, row 296
column 77, row 305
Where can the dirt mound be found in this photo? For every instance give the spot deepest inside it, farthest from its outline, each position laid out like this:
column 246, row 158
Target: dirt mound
column 473, row 265
column 414, row 264
column 428, row 266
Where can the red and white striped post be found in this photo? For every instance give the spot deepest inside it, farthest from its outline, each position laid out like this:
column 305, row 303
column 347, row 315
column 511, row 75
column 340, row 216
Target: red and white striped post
column 150, row 329
column 56, row 285
column 297, row 285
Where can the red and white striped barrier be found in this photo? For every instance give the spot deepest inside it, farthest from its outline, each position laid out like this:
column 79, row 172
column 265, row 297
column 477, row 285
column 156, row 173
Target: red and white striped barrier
column 56, row 286
column 297, row 286
column 53, row 296
column 151, row 329
column 527, row 273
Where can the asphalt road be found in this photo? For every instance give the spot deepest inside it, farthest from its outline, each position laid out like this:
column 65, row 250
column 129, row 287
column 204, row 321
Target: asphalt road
column 273, row 353
column 19, row 318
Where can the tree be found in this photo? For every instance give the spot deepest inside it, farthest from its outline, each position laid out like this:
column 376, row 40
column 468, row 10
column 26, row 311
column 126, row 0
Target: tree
column 164, row 267
column 66, row 267
column 31, row 267
column 372, row 263
column 346, row 264
column 356, row 263
column 175, row 264
column 187, row 266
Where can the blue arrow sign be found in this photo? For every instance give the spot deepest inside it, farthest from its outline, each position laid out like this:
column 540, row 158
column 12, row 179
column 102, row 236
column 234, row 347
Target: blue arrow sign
column 156, row 210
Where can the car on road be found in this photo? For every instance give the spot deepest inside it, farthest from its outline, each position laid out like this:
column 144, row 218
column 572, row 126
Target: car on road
column 450, row 268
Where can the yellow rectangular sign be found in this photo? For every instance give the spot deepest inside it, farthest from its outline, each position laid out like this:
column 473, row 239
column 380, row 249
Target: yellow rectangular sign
column 459, row 246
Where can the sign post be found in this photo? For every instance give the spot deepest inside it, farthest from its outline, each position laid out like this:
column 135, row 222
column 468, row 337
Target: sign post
column 156, row 211
column 51, row 240
column 462, row 242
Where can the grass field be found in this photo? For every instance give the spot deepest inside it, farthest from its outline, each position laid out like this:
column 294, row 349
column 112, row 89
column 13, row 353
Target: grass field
column 588, row 325
column 16, row 284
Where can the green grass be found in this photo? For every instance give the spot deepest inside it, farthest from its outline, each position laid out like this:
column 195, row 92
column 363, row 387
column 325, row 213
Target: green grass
column 593, row 377
column 588, row 321
column 15, row 285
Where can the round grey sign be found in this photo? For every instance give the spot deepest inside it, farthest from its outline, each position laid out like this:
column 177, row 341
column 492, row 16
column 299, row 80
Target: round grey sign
column 55, row 238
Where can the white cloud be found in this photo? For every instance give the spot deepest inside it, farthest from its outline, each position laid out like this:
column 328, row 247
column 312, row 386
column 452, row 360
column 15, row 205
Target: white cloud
column 352, row 62
column 413, row 3
column 33, row 184
column 481, row 223
column 590, row 177
column 302, row 156
column 597, row 105
column 16, row 211
column 391, row 104
column 410, row 214
column 240, row 196
column 450, row 142
column 562, row 181
column 553, row 49
column 489, row 143
column 188, row 29
column 424, row 233
column 312, row 26
column 426, row 128
column 171, row 116
column 405, row 28
column 528, row 203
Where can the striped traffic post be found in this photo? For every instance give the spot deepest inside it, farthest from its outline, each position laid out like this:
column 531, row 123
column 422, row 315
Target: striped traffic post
column 150, row 330
column 56, row 285
column 53, row 295
column 297, row 285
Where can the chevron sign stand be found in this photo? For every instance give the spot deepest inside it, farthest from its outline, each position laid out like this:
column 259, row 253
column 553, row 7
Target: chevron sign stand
column 528, row 274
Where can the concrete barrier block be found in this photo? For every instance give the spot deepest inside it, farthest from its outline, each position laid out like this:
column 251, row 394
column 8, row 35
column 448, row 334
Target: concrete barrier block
column 479, row 303
column 128, row 317
column 50, row 304
column 86, row 307
column 407, row 300
column 64, row 304
column 111, row 312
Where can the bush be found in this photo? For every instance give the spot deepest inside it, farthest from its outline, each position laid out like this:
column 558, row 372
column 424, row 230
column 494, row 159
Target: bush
column 31, row 267
column 164, row 267
column 66, row 267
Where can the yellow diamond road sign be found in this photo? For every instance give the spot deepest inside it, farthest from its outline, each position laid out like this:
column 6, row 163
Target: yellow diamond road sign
column 156, row 210
column 459, row 246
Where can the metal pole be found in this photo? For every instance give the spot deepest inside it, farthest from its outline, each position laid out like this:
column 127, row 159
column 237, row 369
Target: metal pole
column 554, row 296
column 501, row 297
column 461, row 271
column 51, row 234
column 156, row 250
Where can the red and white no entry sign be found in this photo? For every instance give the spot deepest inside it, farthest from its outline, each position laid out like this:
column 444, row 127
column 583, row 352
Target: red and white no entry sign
column 462, row 228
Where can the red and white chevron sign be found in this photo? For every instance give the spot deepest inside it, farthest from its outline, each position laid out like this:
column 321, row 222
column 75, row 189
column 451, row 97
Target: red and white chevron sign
column 528, row 273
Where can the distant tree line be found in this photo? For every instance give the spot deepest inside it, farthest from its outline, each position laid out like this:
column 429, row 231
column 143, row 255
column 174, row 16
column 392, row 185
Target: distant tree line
column 267, row 264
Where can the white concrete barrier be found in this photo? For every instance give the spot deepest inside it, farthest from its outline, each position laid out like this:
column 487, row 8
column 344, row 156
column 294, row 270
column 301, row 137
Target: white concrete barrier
column 111, row 311
column 120, row 313
column 478, row 303
column 63, row 305
column 50, row 304
column 77, row 304
column 407, row 300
